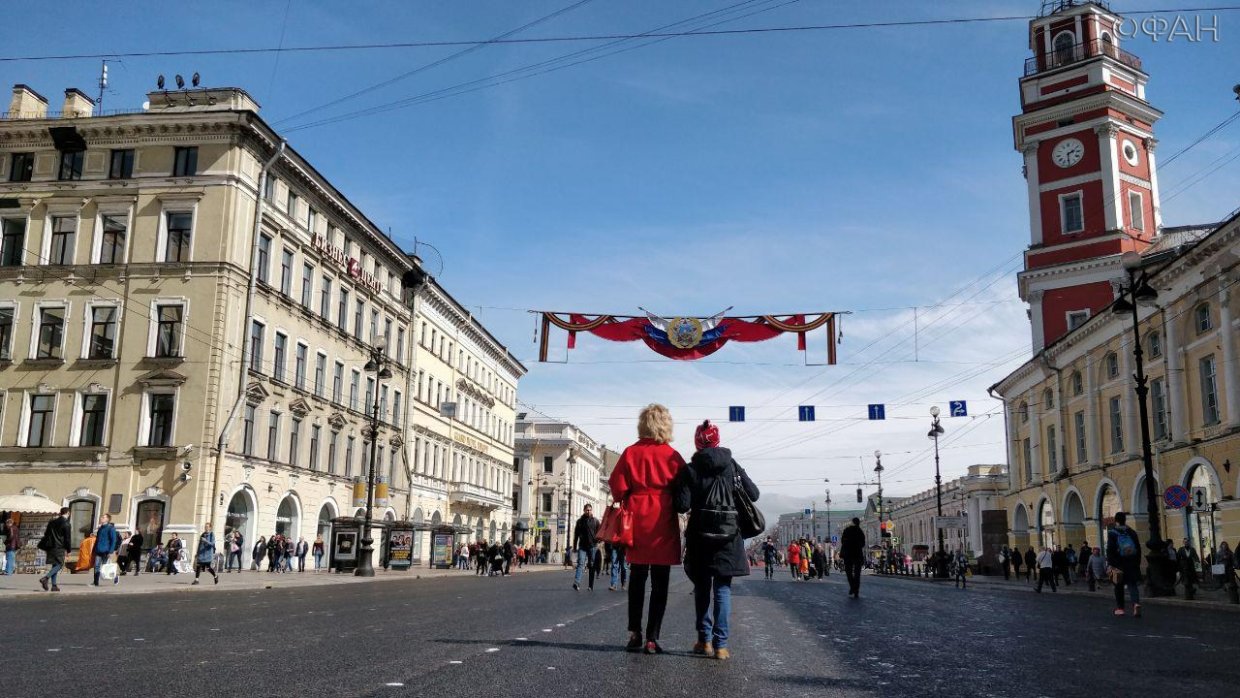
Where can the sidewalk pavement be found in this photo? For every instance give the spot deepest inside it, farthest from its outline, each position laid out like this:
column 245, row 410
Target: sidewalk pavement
column 26, row 585
column 1212, row 598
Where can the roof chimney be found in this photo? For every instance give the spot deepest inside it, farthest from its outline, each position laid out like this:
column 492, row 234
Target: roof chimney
column 77, row 105
column 27, row 104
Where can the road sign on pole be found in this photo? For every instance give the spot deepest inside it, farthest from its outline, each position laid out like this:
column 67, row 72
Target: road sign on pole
column 1176, row 497
column 958, row 408
column 806, row 413
column 1200, row 499
column 835, row 540
column 877, row 412
column 736, row 413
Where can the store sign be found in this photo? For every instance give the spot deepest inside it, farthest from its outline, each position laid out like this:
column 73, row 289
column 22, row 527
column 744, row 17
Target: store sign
column 352, row 266
column 948, row 522
column 471, row 442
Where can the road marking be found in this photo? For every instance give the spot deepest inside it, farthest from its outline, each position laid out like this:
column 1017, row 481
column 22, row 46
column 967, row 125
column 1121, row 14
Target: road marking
column 523, row 639
column 551, row 668
column 53, row 649
column 395, row 684
column 559, row 625
column 546, row 630
column 139, row 639
column 456, row 661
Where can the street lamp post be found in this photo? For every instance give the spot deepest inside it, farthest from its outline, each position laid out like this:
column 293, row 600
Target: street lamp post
column 1140, row 292
column 936, row 430
column 878, row 470
column 568, row 523
column 378, row 365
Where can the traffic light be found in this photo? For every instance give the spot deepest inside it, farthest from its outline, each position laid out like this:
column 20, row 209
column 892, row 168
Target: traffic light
column 858, row 495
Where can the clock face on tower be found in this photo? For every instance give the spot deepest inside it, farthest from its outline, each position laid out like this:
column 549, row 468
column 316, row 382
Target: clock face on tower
column 1068, row 152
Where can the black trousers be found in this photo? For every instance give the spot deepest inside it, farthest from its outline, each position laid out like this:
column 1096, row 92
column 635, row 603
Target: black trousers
column 852, row 570
column 660, row 576
column 1046, row 575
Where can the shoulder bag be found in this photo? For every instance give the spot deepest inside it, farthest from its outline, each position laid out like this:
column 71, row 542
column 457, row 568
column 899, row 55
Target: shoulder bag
column 617, row 525
column 748, row 517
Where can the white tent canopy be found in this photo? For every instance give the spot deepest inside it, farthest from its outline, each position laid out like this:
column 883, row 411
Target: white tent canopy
column 28, row 504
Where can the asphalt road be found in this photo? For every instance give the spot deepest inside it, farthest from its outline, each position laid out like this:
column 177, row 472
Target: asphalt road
column 532, row 635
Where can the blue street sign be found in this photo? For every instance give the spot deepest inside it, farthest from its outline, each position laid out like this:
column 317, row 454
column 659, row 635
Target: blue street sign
column 541, row 524
column 806, row 413
column 835, row 540
column 736, row 413
column 808, row 512
column 878, row 412
column 959, row 408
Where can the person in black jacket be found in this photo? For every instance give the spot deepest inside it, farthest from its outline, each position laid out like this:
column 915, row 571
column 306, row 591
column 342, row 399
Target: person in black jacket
column 585, row 539
column 710, row 562
column 852, row 551
column 55, row 543
column 134, row 555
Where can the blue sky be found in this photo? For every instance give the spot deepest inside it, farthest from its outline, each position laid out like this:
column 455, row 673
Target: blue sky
column 832, row 170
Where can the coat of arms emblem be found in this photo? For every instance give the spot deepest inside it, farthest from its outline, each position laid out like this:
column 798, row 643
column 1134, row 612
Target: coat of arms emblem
column 684, row 332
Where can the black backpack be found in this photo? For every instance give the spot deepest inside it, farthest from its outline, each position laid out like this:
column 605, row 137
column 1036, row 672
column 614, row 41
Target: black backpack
column 716, row 521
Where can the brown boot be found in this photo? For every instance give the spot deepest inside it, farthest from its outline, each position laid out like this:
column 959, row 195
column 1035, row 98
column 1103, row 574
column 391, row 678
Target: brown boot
column 723, row 654
column 703, row 648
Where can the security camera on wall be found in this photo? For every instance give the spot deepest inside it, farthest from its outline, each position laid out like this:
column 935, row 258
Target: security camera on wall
column 186, row 449
column 186, row 466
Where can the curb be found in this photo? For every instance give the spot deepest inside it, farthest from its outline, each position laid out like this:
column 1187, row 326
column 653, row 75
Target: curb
column 1153, row 600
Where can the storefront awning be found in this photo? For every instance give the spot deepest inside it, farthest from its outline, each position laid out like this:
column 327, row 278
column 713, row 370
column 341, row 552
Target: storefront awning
column 28, row 504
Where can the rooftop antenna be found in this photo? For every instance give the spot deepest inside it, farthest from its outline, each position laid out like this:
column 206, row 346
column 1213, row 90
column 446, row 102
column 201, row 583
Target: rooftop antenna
column 103, row 85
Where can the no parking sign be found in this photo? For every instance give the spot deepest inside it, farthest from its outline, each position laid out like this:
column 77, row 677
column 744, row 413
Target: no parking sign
column 1176, row 497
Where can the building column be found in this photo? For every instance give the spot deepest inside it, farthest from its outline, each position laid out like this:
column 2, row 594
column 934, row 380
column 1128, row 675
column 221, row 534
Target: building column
column 1175, row 380
column 1035, row 320
column 1035, row 198
column 1132, row 423
column 1227, row 336
column 1155, row 197
column 1110, row 176
column 1093, row 439
column 1035, row 439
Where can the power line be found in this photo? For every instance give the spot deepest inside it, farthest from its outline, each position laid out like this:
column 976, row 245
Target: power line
column 579, row 38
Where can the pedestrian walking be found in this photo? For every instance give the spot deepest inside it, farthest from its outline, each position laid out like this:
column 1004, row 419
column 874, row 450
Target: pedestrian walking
column 852, row 550
column 960, row 562
column 769, row 557
column 288, row 552
column 12, row 543
column 1070, row 557
column 173, row 549
column 55, row 543
column 133, row 553
column 1046, row 569
column 1097, row 568
column 714, row 546
column 619, row 568
column 642, row 481
column 794, row 559
column 205, row 559
column 1082, row 560
column 1124, row 559
column 1227, row 558
column 303, row 549
column 1188, row 561
column 318, row 551
column 1016, row 559
column 1059, row 561
column 236, row 543
column 107, row 542
column 258, row 553
column 1031, row 562
column 1005, row 559
column 585, row 538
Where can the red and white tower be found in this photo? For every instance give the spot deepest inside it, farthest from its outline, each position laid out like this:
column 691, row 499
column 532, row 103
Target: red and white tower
column 1087, row 135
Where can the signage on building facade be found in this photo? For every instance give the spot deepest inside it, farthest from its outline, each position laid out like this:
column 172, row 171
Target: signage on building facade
column 351, row 265
column 948, row 522
column 470, row 442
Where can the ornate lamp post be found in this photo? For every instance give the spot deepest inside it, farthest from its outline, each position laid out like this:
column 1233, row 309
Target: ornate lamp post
column 937, row 430
column 378, row 364
column 1140, row 292
column 878, row 470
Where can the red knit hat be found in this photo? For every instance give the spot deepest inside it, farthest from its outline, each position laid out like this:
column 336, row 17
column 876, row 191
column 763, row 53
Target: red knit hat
column 706, row 436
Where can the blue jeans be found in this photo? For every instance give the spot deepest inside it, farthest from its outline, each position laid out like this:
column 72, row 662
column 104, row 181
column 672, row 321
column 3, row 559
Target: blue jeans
column 584, row 563
column 713, row 629
column 9, row 560
column 619, row 569
column 100, row 560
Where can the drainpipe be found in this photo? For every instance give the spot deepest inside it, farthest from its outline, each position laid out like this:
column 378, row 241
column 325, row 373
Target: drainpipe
column 1009, row 447
column 226, row 431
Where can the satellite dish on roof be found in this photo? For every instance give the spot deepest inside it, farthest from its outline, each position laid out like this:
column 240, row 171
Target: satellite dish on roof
column 194, row 79
column 159, row 81
column 180, row 82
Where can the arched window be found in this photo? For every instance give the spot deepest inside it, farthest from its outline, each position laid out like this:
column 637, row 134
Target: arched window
column 1154, row 345
column 1202, row 320
column 1064, row 48
column 1048, row 399
column 1078, row 384
column 82, row 515
column 1024, row 412
column 1108, row 44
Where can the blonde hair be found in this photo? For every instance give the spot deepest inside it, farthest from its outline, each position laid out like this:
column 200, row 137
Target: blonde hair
column 655, row 423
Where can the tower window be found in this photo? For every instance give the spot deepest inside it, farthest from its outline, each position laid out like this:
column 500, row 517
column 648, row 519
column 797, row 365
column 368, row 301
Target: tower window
column 1076, row 318
column 1136, row 211
column 1112, row 365
column 1071, row 214
column 1064, row 49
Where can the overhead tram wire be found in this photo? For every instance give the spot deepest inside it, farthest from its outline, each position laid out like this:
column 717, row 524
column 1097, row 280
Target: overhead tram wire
column 789, row 389
column 587, row 37
column 436, row 63
column 561, row 62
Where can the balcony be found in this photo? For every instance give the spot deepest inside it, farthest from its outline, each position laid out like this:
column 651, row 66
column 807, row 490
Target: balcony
column 1069, row 55
column 473, row 495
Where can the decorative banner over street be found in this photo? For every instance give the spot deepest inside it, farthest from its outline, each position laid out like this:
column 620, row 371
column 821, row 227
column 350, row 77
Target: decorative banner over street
column 688, row 338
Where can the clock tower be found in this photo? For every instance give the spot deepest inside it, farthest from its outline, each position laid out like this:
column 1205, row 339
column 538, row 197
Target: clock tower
column 1087, row 135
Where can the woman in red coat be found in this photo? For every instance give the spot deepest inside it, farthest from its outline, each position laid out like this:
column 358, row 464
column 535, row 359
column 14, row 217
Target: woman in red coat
column 642, row 479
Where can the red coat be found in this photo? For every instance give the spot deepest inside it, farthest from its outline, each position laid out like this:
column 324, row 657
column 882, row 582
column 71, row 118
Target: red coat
column 643, row 480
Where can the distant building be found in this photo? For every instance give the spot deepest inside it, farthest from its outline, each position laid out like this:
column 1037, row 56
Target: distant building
column 978, row 497
column 817, row 525
column 560, row 470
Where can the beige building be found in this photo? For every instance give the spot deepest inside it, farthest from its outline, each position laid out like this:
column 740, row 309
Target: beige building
column 187, row 308
column 978, row 497
column 1074, row 437
column 562, row 468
